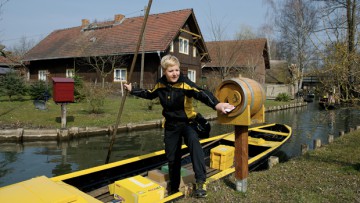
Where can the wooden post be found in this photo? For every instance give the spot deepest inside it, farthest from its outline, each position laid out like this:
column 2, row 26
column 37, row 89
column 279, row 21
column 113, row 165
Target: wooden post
column 331, row 139
column 304, row 148
column 63, row 115
column 241, row 157
column 272, row 161
column 317, row 143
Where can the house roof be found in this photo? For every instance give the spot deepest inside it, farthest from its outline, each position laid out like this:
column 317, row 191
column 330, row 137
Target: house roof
column 278, row 73
column 238, row 53
column 115, row 37
column 8, row 61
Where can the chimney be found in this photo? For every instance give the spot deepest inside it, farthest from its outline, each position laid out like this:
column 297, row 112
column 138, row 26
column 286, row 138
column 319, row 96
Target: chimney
column 118, row 18
column 84, row 23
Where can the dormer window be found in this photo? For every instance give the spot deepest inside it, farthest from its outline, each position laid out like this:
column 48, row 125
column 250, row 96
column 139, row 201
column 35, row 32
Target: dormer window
column 183, row 45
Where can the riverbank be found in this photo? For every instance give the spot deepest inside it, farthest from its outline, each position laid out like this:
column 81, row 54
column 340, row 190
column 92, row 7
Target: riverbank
column 330, row 173
column 35, row 134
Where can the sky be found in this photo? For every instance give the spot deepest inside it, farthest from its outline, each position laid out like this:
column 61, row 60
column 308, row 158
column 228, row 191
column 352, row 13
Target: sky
column 35, row 19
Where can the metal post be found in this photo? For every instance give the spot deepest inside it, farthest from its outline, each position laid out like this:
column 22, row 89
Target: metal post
column 241, row 157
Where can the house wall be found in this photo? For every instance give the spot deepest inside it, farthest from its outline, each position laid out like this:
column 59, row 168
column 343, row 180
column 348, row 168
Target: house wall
column 151, row 70
column 57, row 68
column 273, row 90
column 187, row 61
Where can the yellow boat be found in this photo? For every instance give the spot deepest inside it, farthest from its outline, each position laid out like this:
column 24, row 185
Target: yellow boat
column 103, row 183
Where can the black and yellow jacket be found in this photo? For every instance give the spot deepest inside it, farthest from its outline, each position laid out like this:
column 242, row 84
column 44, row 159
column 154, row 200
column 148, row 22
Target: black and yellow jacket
column 176, row 98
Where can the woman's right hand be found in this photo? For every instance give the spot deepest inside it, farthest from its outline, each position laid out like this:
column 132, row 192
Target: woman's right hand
column 128, row 87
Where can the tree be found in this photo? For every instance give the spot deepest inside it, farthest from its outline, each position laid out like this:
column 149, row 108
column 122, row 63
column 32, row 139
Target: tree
column 246, row 32
column 104, row 65
column 12, row 84
column 295, row 20
column 225, row 54
column 23, row 46
column 340, row 26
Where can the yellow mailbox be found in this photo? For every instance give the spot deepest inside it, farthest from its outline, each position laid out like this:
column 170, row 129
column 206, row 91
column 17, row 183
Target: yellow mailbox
column 248, row 97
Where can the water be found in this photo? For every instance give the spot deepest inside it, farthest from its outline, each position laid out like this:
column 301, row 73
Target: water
column 20, row 162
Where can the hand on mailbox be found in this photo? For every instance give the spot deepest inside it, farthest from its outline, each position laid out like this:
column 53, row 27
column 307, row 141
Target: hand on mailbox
column 224, row 107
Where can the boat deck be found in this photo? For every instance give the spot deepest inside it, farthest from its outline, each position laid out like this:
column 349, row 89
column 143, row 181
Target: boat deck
column 103, row 194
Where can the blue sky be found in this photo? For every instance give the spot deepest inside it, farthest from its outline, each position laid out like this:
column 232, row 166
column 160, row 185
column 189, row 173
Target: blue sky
column 35, row 19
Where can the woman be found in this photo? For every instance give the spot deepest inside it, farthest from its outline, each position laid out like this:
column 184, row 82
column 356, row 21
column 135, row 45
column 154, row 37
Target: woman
column 175, row 93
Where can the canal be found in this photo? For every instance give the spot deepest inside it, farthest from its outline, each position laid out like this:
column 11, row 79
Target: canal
column 19, row 162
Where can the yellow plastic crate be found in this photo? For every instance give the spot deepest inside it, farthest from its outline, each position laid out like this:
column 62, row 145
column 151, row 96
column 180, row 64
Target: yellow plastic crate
column 137, row 189
column 222, row 157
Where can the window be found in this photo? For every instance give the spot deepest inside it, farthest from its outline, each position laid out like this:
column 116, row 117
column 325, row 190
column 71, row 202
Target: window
column 42, row 75
column 183, row 45
column 172, row 46
column 194, row 51
column 120, row 74
column 70, row 73
column 192, row 75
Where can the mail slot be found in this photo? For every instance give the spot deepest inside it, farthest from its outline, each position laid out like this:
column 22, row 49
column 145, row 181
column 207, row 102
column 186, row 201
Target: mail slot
column 63, row 90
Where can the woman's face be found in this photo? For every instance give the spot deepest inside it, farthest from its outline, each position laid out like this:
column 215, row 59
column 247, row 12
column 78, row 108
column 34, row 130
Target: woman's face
column 172, row 73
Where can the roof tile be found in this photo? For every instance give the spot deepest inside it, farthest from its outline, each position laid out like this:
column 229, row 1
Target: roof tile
column 108, row 38
column 236, row 52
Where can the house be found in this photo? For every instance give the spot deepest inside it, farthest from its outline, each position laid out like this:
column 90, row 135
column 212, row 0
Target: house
column 8, row 64
column 61, row 53
column 279, row 73
column 248, row 58
column 279, row 79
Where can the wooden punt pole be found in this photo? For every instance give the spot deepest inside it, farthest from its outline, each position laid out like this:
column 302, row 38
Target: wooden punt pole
column 241, row 157
column 129, row 79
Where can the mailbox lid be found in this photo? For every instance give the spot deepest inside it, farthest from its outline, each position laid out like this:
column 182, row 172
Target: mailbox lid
column 61, row 80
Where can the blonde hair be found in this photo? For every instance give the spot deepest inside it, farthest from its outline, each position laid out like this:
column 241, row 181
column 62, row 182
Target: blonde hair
column 168, row 61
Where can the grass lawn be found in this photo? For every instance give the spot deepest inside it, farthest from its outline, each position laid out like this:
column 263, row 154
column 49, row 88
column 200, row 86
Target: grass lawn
column 22, row 113
column 328, row 174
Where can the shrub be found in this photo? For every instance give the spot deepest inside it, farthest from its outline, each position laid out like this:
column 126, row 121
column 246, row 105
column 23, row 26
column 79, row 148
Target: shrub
column 149, row 104
column 284, row 97
column 40, row 90
column 12, row 84
column 78, row 86
column 95, row 97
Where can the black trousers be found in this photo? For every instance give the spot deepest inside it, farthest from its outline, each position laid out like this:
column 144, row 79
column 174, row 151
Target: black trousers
column 174, row 132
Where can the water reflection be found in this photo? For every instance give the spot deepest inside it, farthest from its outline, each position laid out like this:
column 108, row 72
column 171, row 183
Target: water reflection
column 19, row 162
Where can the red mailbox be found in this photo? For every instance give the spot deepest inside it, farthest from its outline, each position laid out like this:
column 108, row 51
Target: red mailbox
column 63, row 90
